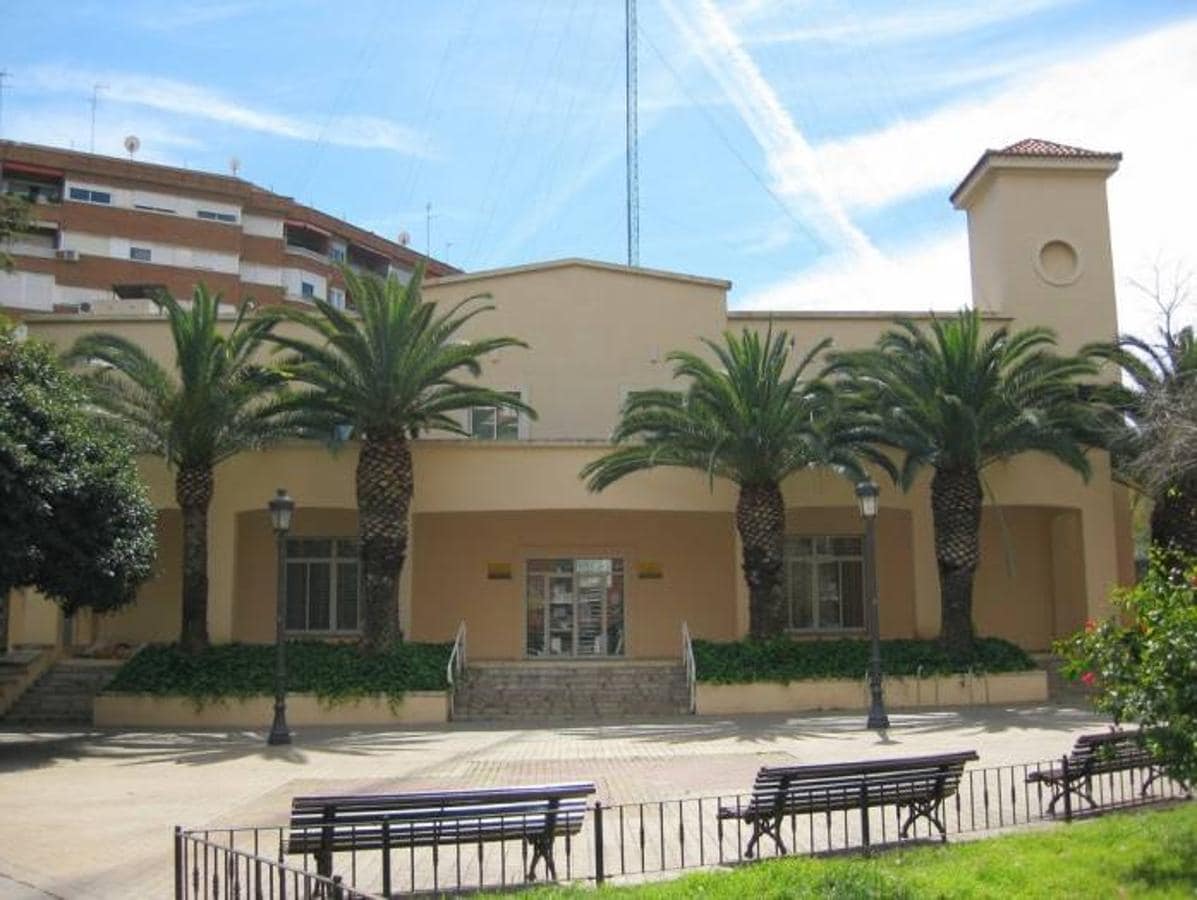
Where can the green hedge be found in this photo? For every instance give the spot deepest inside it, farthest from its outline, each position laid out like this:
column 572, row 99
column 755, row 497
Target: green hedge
column 785, row 660
column 333, row 672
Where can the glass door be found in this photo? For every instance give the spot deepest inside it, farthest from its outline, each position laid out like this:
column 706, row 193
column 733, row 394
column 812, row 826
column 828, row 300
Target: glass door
column 575, row 607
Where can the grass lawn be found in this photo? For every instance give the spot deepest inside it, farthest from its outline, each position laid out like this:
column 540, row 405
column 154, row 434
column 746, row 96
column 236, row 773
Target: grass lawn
column 1145, row 854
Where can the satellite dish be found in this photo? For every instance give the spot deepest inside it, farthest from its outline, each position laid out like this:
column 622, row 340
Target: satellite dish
column 234, row 165
column 132, row 144
column 404, row 238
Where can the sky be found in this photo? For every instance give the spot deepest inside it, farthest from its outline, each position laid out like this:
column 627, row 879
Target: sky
column 803, row 149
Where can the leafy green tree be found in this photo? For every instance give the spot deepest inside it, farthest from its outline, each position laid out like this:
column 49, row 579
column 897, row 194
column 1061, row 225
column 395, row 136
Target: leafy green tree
column 954, row 399
column 75, row 521
column 753, row 420
column 1143, row 661
column 387, row 374
column 14, row 219
column 1152, row 436
column 213, row 400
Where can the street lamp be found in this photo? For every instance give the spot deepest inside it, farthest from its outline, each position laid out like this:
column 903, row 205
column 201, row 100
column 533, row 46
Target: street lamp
column 866, row 496
column 281, row 508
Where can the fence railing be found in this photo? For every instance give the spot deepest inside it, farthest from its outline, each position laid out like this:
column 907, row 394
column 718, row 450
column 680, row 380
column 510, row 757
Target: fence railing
column 636, row 841
column 235, row 863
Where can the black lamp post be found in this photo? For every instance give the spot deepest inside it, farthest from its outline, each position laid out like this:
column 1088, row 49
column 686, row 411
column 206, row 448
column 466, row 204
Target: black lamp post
column 281, row 508
column 866, row 495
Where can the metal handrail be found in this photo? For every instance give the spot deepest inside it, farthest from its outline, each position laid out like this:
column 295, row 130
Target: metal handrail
column 688, row 662
column 457, row 656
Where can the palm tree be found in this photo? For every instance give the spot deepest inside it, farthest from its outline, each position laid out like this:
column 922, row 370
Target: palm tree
column 753, row 422
column 1151, row 438
column 956, row 400
column 388, row 374
column 213, row 402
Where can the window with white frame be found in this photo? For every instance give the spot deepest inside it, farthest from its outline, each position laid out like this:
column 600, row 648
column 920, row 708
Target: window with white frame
column 307, row 290
column 824, row 578
column 213, row 216
column 323, row 585
column 89, row 196
column 495, row 423
column 141, row 254
column 336, row 297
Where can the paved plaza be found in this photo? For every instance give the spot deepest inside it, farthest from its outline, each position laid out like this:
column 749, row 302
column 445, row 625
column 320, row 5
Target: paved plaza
column 86, row 815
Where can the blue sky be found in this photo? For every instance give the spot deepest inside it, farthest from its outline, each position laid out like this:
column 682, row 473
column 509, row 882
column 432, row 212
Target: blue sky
column 804, row 150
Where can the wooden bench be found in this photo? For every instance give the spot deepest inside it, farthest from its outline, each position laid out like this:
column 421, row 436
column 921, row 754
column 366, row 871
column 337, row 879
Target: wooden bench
column 919, row 784
column 1097, row 754
column 535, row 814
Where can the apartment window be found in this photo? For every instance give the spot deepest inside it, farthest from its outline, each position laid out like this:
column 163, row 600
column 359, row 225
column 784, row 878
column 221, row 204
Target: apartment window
column 323, row 585
column 336, row 297
column 141, row 254
column 216, row 216
column 307, row 290
column 336, row 254
column 825, row 582
column 158, row 209
column 495, row 423
column 89, row 196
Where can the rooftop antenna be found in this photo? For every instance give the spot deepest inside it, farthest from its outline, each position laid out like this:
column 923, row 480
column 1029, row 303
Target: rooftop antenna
column 3, row 74
column 633, row 149
column 234, row 166
column 428, row 230
column 132, row 145
column 404, row 238
column 95, row 101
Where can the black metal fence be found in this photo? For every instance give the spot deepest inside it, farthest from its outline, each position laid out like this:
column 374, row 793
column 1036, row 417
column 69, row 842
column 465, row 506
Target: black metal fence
column 640, row 841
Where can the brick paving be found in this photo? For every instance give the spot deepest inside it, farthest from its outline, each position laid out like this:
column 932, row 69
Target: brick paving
column 89, row 814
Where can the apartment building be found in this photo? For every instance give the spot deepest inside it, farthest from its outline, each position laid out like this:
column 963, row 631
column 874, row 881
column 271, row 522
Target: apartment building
column 506, row 537
column 109, row 232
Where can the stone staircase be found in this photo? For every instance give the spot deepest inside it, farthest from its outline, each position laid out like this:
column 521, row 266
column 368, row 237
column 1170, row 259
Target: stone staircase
column 553, row 691
column 64, row 695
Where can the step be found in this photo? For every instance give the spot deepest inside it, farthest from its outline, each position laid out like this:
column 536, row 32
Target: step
column 572, row 690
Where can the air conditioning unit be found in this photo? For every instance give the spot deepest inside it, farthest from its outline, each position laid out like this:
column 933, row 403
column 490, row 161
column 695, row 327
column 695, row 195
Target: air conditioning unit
column 67, row 255
column 84, row 307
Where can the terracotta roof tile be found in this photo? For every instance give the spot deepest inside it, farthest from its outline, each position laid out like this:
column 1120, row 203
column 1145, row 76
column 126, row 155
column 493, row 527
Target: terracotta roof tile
column 1039, row 147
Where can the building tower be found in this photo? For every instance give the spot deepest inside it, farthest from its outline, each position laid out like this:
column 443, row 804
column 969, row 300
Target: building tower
column 1039, row 238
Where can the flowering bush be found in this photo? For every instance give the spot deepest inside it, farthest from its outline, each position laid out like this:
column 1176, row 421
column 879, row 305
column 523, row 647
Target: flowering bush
column 1143, row 660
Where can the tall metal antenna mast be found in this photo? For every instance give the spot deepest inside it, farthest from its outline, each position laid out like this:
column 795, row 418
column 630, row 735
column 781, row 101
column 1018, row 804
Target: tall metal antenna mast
column 3, row 74
column 95, row 100
column 633, row 151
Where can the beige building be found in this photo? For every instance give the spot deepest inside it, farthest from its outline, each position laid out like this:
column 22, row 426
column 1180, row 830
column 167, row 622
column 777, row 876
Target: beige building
column 507, row 538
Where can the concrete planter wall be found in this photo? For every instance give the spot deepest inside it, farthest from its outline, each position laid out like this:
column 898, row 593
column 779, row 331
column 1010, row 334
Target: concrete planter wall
column 909, row 693
column 152, row 711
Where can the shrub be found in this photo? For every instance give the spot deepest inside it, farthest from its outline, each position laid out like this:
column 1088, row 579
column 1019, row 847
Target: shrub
column 1143, row 660
column 782, row 659
column 333, row 672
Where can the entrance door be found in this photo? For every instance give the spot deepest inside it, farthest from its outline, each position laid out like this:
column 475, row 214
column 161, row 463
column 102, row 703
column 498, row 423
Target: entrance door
column 575, row 607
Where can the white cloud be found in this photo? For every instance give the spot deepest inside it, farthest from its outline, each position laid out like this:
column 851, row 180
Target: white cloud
column 186, row 100
column 791, row 161
column 1135, row 96
column 858, row 27
column 931, row 275
column 70, row 128
column 1119, row 98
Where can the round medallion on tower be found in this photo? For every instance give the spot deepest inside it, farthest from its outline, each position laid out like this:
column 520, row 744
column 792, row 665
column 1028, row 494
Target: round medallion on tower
column 1058, row 262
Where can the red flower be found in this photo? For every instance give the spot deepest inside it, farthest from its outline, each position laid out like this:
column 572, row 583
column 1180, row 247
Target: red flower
column 1089, row 679
column 1090, row 625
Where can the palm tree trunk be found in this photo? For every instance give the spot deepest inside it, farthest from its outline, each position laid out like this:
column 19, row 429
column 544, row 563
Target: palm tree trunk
column 761, row 521
column 956, row 514
column 193, row 493
column 385, row 486
column 1174, row 517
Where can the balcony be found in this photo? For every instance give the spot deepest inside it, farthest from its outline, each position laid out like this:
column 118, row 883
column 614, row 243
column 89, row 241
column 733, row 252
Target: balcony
column 37, row 185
